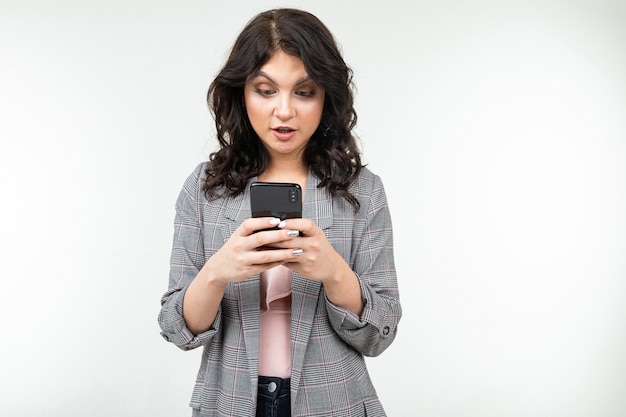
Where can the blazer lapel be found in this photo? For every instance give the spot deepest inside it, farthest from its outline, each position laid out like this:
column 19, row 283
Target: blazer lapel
column 305, row 292
column 247, row 291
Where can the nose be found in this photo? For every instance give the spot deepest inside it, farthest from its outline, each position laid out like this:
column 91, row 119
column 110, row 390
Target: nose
column 285, row 109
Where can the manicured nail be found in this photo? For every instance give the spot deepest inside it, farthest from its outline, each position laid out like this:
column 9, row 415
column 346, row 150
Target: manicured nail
column 282, row 224
column 275, row 221
column 293, row 233
column 297, row 252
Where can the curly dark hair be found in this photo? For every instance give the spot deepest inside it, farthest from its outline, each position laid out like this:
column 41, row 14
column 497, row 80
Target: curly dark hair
column 332, row 153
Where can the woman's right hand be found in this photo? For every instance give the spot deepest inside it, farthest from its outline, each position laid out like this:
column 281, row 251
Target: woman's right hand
column 236, row 261
column 240, row 257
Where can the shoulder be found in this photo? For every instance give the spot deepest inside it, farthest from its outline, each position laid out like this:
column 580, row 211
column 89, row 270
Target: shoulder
column 197, row 176
column 367, row 184
column 192, row 194
column 193, row 200
column 369, row 190
column 195, row 181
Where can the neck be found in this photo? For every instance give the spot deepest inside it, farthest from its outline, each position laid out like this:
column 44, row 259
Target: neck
column 286, row 171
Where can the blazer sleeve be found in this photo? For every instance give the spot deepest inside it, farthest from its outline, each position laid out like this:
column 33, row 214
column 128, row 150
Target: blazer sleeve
column 372, row 260
column 187, row 258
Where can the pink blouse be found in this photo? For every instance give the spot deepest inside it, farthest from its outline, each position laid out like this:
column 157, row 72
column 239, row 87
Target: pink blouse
column 275, row 338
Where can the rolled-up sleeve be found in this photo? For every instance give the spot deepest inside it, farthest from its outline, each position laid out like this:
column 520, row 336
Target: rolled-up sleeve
column 187, row 258
column 373, row 263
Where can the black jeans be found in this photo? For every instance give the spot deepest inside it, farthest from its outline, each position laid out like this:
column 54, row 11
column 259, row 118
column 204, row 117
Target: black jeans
column 273, row 399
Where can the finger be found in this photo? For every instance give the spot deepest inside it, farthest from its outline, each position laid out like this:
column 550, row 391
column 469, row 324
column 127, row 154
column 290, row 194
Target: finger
column 289, row 243
column 274, row 256
column 255, row 224
column 272, row 237
column 304, row 226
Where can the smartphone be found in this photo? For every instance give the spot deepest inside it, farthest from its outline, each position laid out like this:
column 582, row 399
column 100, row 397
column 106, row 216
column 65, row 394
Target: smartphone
column 276, row 199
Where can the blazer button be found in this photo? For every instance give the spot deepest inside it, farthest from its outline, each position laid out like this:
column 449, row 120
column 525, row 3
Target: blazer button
column 385, row 330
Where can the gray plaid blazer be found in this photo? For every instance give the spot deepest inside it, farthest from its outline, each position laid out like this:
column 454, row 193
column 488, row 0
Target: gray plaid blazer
column 328, row 344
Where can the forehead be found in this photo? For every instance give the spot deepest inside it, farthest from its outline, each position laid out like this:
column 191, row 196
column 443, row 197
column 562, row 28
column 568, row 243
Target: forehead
column 282, row 66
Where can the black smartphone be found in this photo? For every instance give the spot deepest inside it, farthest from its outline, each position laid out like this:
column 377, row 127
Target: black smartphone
column 276, row 199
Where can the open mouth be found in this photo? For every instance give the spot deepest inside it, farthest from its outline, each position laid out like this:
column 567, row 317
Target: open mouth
column 284, row 130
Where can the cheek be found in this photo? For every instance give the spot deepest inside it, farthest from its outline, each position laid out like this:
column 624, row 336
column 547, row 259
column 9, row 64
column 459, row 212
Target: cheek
column 252, row 102
column 254, row 108
column 314, row 110
column 320, row 107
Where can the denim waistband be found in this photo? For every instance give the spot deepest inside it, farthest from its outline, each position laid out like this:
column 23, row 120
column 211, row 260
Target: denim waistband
column 274, row 399
column 273, row 387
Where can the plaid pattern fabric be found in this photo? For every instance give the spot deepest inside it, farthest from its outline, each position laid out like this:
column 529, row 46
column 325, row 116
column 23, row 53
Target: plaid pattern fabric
column 328, row 344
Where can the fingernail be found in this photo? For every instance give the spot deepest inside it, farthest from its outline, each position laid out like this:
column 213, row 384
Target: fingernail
column 282, row 224
column 293, row 233
column 297, row 252
column 274, row 221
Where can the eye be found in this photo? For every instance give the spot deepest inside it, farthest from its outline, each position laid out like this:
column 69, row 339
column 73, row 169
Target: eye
column 306, row 93
column 265, row 92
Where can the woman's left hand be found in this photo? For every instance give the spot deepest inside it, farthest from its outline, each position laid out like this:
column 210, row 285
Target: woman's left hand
column 320, row 261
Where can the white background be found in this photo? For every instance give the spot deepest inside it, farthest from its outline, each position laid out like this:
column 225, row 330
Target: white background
column 499, row 129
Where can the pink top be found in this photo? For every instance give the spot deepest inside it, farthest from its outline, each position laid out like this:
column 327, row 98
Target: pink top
column 275, row 338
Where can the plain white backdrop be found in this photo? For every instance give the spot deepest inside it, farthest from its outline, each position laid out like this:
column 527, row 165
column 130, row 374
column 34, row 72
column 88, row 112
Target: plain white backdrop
column 498, row 128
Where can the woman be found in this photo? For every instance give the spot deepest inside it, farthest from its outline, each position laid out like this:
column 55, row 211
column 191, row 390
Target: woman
column 283, row 330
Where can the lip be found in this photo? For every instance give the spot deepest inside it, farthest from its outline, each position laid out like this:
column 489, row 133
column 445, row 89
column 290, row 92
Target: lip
column 283, row 132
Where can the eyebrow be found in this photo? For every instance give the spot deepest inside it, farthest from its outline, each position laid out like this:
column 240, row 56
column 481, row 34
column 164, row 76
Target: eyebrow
column 264, row 74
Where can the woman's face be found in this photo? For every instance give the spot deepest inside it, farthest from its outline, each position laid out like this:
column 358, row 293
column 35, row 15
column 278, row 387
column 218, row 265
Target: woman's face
column 284, row 106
